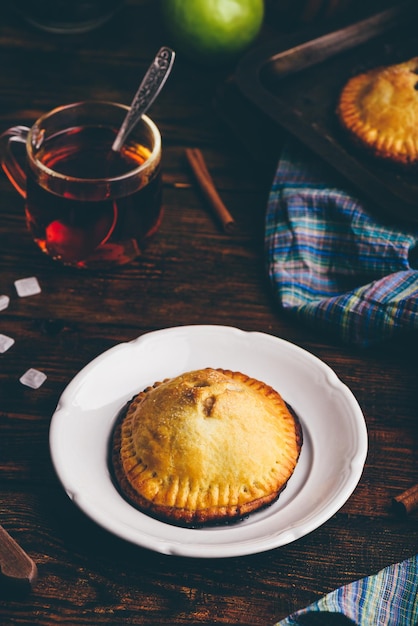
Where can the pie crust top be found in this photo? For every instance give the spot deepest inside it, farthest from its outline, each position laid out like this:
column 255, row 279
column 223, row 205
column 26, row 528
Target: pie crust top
column 379, row 109
column 208, row 446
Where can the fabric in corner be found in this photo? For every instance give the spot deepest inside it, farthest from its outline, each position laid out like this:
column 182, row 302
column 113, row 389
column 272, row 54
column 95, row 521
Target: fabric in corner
column 333, row 264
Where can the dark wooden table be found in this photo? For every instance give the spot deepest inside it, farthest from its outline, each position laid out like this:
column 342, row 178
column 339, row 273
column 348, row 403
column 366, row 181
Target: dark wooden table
column 192, row 273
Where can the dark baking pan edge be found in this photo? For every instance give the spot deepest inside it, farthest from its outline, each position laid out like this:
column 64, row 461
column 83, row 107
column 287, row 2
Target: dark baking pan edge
column 291, row 54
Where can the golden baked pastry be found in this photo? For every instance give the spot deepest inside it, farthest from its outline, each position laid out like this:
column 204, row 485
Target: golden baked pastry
column 379, row 109
column 206, row 447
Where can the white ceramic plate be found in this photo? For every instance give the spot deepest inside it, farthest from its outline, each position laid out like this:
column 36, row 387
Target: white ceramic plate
column 330, row 464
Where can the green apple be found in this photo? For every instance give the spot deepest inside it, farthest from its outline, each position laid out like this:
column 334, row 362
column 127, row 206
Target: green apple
column 212, row 31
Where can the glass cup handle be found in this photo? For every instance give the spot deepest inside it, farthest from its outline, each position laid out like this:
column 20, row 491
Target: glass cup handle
column 11, row 166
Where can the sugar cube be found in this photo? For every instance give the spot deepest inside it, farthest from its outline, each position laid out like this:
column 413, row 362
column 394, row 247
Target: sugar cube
column 33, row 378
column 5, row 343
column 27, row 286
column 4, row 302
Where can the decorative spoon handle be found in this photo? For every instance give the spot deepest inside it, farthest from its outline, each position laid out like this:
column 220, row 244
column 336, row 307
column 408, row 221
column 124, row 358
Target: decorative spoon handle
column 148, row 90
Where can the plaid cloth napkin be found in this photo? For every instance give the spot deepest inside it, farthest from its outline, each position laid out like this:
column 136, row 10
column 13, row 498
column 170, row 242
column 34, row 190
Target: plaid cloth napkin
column 333, row 264
column 388, row 598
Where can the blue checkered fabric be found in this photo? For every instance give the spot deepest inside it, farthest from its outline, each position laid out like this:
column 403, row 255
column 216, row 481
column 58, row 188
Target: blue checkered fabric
column 333, row 263
column 388, row 598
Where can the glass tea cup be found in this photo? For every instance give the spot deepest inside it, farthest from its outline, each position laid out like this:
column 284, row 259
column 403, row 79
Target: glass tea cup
column 86, row 205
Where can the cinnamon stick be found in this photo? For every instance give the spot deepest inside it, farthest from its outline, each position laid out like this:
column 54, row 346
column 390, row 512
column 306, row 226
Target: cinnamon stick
column 206, row 184
column 407, row 501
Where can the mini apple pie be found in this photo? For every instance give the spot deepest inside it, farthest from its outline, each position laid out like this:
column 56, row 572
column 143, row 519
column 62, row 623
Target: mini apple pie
column 379, row 109
column 206, row 447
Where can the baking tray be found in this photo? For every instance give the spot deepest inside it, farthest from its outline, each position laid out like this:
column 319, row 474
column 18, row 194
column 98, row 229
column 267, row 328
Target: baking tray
column 296, row 82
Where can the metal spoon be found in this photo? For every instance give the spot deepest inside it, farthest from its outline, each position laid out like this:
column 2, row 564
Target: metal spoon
column 148, row 90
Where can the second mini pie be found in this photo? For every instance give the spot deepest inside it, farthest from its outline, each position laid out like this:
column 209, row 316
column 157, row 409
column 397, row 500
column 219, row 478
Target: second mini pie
column 379, row 110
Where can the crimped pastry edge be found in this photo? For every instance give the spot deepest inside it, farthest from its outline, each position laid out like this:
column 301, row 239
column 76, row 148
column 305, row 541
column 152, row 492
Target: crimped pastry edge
column 368, row 138
column 190, row 518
